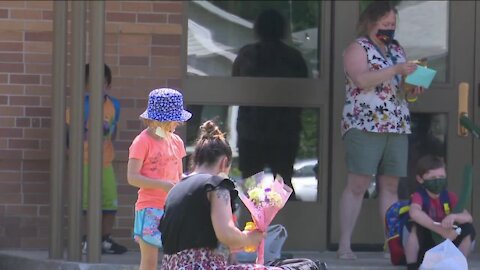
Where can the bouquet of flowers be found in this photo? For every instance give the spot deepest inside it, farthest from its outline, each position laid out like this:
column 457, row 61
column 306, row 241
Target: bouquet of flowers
column 264, row 197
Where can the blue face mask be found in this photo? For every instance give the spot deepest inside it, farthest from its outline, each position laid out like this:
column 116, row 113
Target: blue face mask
column 385, row 35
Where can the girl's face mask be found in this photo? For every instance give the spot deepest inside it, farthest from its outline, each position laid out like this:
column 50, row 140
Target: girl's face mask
column 385, row 35
column 435, row 186
column 160, row 132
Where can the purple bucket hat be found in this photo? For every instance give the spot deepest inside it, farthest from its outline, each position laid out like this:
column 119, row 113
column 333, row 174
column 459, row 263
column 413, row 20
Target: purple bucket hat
column 165, row 104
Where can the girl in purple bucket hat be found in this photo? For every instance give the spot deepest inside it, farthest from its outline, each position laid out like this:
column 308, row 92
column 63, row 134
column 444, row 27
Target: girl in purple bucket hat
column 154, row 166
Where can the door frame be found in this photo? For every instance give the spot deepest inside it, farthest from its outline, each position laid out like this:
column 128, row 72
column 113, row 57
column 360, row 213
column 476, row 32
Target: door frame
column 345, row 19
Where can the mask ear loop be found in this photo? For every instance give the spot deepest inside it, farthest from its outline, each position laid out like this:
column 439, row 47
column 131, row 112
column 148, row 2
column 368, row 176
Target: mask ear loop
column 160, row 132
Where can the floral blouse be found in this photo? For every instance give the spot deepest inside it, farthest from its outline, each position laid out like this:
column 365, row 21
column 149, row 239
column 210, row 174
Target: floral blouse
column 383, row 109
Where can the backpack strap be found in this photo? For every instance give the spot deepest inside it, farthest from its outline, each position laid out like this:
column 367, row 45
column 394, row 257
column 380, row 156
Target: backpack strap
column 403, row 217
column 444, row 200
column 116, row 106
column 425, row 199
column 86, row 112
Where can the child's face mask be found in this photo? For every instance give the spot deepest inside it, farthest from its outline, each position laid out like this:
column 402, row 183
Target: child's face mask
column 435, row 186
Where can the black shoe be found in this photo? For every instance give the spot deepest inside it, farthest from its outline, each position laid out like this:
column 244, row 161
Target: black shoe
column 111, row 247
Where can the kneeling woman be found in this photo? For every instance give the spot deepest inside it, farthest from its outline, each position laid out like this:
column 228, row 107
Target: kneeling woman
column 198, row 210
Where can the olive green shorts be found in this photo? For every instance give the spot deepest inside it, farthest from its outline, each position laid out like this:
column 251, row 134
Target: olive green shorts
column 109, row 189
column 370, row 153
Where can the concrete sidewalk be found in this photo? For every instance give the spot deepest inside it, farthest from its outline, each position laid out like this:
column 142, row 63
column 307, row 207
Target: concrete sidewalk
column 38, row 260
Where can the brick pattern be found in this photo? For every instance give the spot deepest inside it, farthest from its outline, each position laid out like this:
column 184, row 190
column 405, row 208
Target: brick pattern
column 142, row 46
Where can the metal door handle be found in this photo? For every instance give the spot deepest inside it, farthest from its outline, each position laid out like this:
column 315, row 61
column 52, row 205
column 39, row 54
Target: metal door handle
column 463, row 89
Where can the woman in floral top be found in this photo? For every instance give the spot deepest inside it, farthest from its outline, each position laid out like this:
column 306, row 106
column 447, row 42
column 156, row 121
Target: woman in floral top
column 375, row 119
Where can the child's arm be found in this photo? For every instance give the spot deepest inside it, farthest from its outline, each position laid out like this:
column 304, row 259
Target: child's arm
column 138, row 180
column 460, row 218
column 424, row 220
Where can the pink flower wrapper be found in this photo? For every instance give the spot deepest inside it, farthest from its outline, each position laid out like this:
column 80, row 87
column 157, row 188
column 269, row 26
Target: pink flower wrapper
column 263, row 215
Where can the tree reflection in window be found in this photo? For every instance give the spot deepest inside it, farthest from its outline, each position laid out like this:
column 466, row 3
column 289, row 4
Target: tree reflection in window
column 218, row 29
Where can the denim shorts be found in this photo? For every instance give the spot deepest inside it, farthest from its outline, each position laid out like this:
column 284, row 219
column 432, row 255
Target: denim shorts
column 146, row 226
column 370, row 153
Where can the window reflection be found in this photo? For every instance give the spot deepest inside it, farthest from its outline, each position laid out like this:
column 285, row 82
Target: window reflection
column 269, row 56
column 423, row 32
column 266, row 146
column 218, row 29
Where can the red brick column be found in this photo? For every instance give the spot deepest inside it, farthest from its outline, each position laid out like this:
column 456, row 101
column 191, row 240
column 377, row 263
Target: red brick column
column 143, row 50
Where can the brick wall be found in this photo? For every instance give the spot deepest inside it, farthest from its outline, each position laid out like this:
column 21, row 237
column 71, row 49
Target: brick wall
column 142, row 46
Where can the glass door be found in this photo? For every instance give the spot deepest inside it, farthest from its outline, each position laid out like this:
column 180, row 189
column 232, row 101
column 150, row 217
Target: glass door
column 444, row 33
column 262, row 108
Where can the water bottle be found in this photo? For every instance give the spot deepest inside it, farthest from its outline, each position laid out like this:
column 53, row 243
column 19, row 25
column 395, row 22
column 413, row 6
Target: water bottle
column 250, row 226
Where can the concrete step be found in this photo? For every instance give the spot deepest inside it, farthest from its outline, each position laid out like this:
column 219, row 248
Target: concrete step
column 38, row 260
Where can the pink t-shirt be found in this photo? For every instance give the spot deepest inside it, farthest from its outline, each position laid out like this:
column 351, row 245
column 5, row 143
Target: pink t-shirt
column 437, row 213
column 162, row 159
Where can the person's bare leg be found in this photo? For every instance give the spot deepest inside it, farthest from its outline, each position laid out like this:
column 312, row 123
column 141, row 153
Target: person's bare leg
column 466, row 246
column 108, row 219
column 388, row 188
column 388, row 194
column 148, row 256
column 109, row 246
column 412, row 246
column 350, row 205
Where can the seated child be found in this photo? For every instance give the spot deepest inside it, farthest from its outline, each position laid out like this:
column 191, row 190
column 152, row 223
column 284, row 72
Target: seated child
column 434, row 215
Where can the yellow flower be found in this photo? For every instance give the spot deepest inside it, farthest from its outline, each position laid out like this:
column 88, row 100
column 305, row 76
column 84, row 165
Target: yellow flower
column 275, row 198
column 257, row 195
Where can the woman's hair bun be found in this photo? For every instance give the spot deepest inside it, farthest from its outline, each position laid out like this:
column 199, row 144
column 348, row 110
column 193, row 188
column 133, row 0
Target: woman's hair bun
column 209, row 130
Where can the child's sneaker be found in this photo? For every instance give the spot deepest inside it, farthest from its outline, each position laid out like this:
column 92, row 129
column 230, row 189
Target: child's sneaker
column 111, row 247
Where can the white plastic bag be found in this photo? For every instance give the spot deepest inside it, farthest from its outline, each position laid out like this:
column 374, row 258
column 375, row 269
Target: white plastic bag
column 276, row 236
column 444, row 256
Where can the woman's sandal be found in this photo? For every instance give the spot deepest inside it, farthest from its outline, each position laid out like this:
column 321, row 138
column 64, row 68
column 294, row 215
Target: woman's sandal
column 349, row 255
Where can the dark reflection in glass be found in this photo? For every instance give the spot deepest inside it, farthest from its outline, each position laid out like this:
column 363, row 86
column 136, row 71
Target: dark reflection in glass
column 281, row 140
column 429, row 132
column 270, row 56
column 218, row 29
column 269, row 136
